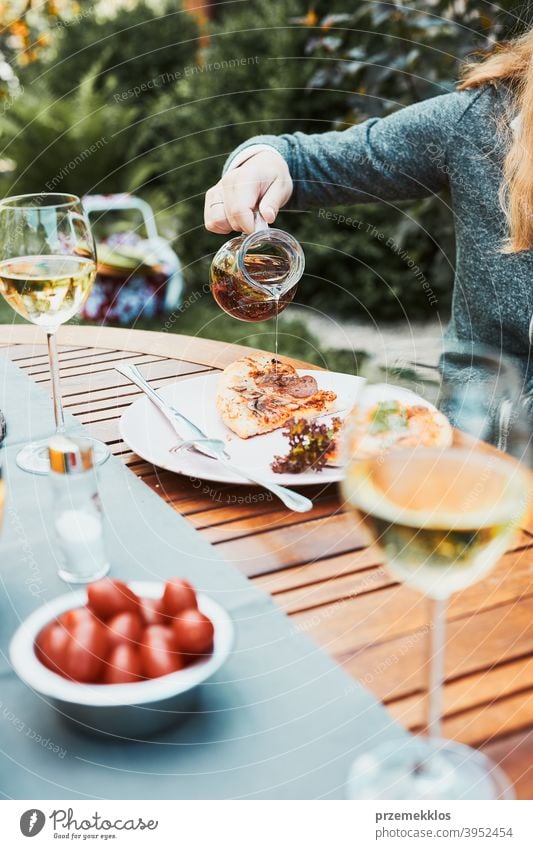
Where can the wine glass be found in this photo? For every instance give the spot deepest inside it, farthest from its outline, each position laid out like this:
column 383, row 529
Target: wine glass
column 443, row 517
column 47, row 268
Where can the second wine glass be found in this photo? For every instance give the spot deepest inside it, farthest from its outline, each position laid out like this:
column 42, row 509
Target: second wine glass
column 443, row 517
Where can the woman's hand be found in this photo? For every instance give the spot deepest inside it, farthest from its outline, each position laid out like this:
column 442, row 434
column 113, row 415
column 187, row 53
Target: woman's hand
column 262, row 182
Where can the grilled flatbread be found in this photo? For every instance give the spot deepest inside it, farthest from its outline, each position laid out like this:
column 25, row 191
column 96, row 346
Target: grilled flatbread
column 261, row 393
column 391, row 424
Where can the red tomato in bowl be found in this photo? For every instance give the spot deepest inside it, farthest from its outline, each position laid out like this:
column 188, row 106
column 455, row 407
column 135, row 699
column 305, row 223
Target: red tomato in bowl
column 124, row 628
column 50, row 647
column 120, row 638
column 72, row 618
column 85, row 651
column 107, row 597
column 151, row 611
column 123, row 665
column 178, row 595
column 158, row 652
column 193, row 632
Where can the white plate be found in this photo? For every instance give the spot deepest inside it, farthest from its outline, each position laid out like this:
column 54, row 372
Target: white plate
column 146, row 431
column 374, row 393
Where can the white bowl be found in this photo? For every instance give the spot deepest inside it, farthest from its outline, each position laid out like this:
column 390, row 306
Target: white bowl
column 123, row 710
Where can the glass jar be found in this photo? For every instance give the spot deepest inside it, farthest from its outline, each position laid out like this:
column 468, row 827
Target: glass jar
column 77, row 510
column 255, row 277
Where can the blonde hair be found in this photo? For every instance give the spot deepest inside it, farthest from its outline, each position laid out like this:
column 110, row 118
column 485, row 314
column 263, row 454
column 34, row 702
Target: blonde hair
column 512, row 63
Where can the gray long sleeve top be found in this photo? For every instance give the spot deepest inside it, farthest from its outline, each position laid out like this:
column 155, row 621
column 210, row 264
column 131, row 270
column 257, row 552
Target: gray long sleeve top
column 456, row 141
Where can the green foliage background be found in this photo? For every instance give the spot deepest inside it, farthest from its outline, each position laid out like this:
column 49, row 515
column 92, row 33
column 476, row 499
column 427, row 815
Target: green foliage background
column 261, row 66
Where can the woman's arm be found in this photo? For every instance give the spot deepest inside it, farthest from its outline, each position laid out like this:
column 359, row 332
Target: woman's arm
column 399, row 157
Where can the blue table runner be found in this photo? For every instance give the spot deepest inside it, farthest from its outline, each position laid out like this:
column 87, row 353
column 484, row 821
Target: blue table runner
column 280, row 720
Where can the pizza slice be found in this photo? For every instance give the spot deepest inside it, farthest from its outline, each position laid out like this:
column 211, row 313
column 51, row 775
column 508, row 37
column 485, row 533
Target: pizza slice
column 260, row 393
column 392, row 424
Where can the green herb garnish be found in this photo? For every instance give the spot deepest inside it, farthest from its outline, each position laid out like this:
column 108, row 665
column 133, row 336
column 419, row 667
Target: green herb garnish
column 388, row 416
column 309, row 446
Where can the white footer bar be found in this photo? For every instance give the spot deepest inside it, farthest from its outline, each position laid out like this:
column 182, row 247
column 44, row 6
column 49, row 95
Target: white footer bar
column 267, row 824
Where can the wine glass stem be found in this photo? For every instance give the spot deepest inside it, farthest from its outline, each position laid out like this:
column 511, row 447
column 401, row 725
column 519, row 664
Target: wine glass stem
column 435, row 666
column 56, row 387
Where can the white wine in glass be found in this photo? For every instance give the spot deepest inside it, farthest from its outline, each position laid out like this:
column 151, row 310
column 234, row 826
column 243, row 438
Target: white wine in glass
column 442, row 518
column 46, row 290
column 47, row 269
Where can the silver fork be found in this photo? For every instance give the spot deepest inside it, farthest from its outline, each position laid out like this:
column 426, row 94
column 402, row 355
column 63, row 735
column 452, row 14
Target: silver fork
column 196, row 439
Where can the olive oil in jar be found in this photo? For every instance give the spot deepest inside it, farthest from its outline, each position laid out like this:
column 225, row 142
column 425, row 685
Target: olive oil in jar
column 237, row 296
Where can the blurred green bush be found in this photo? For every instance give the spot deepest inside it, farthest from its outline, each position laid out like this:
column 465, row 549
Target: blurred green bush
column 172, row 102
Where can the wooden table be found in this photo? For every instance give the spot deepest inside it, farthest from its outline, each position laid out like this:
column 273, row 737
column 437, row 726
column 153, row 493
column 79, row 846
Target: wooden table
column 317, row 565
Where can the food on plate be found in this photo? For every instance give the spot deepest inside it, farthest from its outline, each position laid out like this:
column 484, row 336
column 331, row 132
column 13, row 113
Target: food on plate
column 391, row 423
column 310, row 445
column 260, row 393
column 120, row 638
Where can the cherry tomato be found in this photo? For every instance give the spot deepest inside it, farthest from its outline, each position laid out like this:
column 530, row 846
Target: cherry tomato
column 72, row 618
column 123, row 665
column 193, row 632
column 124, row 628
column 86, row 650
column 178, row 595
column 151, row 611
column 50, row 647
column 106, row 598
column 158, row 652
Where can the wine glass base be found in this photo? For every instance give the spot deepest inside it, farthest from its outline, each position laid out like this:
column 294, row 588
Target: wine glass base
column 417, row 768
column 33, row 458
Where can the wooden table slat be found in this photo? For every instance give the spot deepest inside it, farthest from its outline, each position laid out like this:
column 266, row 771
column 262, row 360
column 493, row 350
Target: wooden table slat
column 78, row 365
column 505, row 679
column 108, row 378
column 37, row 352
column 350, row 623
